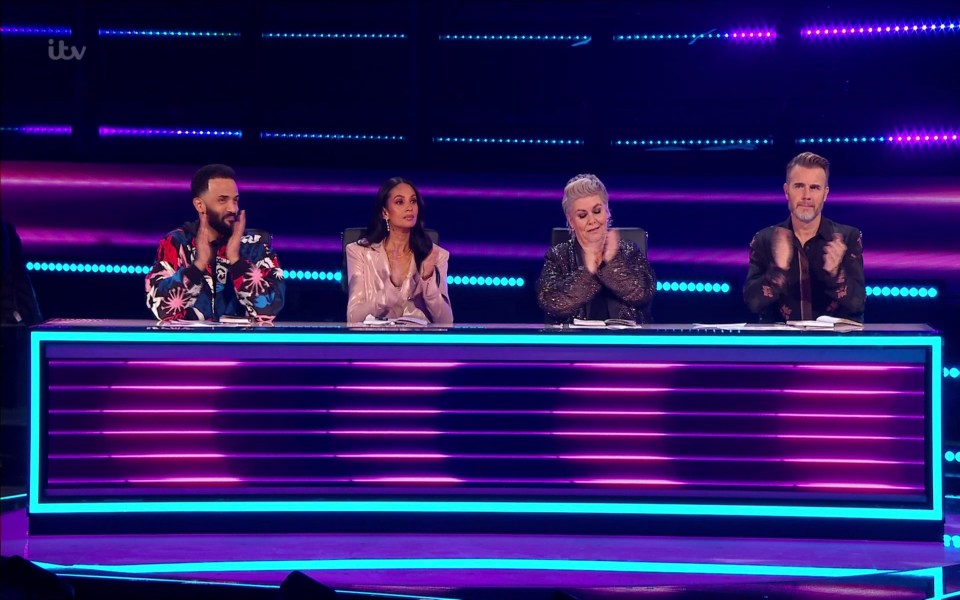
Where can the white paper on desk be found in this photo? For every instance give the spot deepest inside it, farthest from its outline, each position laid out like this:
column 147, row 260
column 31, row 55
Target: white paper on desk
column 372, row 321
column 184, row 323
column 745, row 326
column 608, row 324
column 828, row 322
column 180, row 323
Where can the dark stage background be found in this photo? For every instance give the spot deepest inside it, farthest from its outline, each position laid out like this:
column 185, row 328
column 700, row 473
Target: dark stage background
column 489, row 107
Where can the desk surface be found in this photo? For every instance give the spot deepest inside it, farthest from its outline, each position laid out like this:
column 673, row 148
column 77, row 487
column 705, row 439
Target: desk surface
column 657, row 329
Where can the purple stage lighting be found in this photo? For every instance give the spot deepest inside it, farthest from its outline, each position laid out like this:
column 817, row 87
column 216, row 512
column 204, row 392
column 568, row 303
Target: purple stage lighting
column 924, row 137
column 40, row 129
column 108, row 131
column 878, row 30
column 745, row 35
column 20, row 30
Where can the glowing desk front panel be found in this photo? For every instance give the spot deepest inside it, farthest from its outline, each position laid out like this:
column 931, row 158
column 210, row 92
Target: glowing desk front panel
column 481, row 420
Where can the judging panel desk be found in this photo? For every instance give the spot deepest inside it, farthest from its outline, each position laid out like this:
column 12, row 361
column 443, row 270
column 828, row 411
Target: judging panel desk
column 661, row 429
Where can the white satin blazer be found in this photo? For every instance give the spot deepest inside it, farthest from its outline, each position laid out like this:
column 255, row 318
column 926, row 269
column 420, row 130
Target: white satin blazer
column 372, row 293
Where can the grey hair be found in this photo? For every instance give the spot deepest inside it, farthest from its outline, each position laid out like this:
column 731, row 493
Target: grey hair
column 581, row 186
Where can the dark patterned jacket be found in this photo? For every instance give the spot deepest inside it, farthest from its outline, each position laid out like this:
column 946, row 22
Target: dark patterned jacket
column 251, row 287
column 620, row 289
column 778, row 295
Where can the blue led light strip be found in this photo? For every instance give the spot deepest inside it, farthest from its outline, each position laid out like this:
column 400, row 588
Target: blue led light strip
column 903, row 291
column 693, row 286
column 61, row 267
column 166, row 33
column 481, row 280
column 297, row 275
column 951, row 540
column 22, row 30
column 13, row 497
column 291, row 274
column 111, row 131
column 508, row 140
column 333, row 36
column 512, row 38
column 951, row 373
column 698, row 142
column 339, row 137
column 952, row 455
column 923, row 137
column 745, row 35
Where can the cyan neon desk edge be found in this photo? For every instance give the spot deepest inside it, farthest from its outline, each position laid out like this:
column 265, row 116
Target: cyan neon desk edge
column 932, row 341
column 527, row 564
column 491, row 507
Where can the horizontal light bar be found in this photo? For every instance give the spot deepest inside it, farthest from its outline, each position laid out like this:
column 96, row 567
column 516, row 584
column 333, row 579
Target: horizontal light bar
column 350, row 137
column 13, row 497
column 312, row 275
column 693, row 286
column 876, row 29
column 293, row 274
column 512, row 38
column 87, row 268
column 951, row 372
column 474, row 280
column 21, row 30
column 108, row 131
column 171, row 33
column 508, row 140
column 902, row 291
column 481, row 280
column 39, row 129
column 923, row 137
column 333, row 36
column 756, row 35
column 694, row 142
column 471, row 564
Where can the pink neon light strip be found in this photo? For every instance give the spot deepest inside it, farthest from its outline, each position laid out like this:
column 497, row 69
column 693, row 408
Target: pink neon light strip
column 441, row 388
column 418, row 432
column 439, row 456
column 409, row 480
column 424, row 411
column 479, row 364
column 858, row 486
column 495, row 481
column 188, row 480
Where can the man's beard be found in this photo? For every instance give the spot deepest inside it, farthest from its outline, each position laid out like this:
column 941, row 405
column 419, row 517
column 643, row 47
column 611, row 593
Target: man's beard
column 806, row 214
column 220, row 225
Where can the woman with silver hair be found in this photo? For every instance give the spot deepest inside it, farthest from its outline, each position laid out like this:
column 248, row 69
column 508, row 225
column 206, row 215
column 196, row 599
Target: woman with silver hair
column 595, row 275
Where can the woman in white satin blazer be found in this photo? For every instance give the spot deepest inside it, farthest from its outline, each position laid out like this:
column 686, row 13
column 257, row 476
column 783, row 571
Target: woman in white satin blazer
column 394, row 269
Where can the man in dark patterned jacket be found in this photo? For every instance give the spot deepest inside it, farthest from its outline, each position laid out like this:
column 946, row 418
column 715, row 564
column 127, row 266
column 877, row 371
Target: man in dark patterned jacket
column 215, row 266
column 807, row 266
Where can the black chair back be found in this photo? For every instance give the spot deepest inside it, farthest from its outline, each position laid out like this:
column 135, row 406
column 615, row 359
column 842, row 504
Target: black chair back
column 352, row 234
column 637, row 235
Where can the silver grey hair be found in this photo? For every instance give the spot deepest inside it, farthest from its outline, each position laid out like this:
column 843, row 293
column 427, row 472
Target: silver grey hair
column 581, row 186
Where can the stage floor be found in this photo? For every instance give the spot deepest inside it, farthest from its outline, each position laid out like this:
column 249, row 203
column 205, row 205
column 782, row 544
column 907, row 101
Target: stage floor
column 447, row 565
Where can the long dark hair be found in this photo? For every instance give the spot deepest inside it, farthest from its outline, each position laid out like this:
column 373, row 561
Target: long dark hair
column 420, row 242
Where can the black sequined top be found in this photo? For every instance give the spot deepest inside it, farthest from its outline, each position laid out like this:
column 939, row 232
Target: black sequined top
column 620, row 289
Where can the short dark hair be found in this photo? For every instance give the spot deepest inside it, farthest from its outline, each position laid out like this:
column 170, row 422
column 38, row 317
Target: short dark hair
column 810, row 161
column 201, row 179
